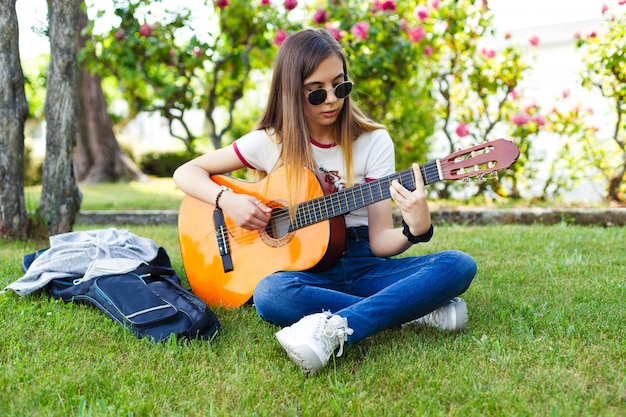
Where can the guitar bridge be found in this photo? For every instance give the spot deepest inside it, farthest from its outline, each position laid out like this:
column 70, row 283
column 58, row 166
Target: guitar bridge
column 221, row 234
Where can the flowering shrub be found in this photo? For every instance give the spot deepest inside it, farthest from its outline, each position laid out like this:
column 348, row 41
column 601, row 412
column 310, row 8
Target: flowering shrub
column 386, row 64
column 577, row 158
column 422, row 67
column 603, row 55
column 170, row 65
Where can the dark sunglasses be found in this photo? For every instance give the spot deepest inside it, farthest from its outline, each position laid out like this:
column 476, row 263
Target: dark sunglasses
column 318, row 96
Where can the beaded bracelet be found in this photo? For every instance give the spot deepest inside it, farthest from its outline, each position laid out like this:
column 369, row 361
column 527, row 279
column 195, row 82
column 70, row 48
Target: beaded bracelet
column 217, row 198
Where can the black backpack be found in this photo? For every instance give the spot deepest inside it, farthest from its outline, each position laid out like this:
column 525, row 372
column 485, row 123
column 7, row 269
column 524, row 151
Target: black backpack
column 149, row 300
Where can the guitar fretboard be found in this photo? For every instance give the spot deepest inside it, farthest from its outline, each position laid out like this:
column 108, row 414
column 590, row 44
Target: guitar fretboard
column 352, row 198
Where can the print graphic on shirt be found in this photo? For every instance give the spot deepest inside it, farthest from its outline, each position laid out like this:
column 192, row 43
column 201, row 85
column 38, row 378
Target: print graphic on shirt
column 333, row 177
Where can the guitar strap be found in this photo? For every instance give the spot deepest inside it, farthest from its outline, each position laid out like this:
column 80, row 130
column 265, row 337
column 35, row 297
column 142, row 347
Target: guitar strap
column 222, row 239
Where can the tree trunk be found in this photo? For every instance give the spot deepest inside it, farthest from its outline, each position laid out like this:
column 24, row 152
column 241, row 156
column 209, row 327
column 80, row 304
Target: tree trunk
column 615, row 183
column 14, row 223
column 60, row 196
column 98, row 155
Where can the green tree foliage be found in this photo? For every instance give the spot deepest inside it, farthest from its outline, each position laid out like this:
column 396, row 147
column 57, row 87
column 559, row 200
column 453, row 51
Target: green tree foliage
column 170, row 63
column 388, row 66
column 605, row 61
column 587, row 151
column 423, row 67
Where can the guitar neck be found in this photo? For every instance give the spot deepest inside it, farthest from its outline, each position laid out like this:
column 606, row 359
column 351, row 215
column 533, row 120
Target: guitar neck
column 352, row 198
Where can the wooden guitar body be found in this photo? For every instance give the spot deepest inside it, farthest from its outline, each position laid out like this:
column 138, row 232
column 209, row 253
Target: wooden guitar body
column 255, row 254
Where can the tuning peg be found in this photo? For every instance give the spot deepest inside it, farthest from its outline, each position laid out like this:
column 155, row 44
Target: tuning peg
column 492, row 175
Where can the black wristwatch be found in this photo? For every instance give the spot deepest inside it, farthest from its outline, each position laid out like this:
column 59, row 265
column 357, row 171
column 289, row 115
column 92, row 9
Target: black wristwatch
column 417, row 239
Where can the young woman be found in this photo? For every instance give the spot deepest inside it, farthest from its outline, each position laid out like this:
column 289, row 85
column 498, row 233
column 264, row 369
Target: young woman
column 310, row 121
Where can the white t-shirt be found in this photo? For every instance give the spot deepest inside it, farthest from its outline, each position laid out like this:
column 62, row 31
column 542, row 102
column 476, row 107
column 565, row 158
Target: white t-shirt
column 373, row 158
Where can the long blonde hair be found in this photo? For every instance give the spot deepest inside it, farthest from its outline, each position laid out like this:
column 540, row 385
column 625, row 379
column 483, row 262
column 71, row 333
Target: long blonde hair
column 299, row 56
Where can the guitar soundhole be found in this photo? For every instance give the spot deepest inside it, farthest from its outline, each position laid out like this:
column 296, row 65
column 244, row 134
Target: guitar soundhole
column 276, row 233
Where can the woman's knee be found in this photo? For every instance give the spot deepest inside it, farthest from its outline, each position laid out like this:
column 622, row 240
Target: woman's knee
column 263, row 295
column 271, row 297
column 465, row 268
column 465, row 263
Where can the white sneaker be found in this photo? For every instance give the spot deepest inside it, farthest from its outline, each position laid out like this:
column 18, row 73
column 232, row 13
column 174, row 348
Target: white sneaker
column 311, row 341
column 451, row 316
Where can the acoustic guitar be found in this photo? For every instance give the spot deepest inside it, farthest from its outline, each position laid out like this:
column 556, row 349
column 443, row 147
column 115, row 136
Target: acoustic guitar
column 224, row 262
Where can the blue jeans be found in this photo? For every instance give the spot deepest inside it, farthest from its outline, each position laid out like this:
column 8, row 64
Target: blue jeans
column 372, row 293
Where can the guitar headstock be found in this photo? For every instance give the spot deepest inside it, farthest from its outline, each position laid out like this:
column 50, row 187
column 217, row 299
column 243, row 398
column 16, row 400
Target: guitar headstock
column 479, row 160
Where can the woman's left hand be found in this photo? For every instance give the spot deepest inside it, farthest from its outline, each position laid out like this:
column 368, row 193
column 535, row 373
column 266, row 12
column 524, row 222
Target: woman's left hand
column 413, row 204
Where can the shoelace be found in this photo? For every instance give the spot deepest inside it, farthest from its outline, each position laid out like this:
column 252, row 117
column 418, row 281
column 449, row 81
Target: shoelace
column 341, row 333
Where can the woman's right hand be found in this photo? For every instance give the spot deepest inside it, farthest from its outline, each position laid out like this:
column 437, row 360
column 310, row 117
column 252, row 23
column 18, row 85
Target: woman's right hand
column 245, row 210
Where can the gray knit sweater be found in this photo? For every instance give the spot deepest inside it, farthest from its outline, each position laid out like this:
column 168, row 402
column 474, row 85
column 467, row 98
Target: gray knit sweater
column 71, row 254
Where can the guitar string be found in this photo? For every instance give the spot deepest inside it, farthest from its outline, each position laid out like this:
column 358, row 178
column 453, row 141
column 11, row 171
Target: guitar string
column 241, row 236
column 431, row 169
column 308, row 209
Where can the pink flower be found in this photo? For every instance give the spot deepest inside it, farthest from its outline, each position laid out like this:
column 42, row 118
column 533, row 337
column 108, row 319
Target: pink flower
column 385, row 5
column 534, row 40
column 333, row 31
column 540, row 120
column 291, row 4
column 120, row 35
column 434, row 4
column 220, row 4
column 417, row 34
column 520, row 119
column 462, row 130
column 488, row 53
column 428, row 50
column 605, row 8
column 565, row 94
column 265, row 2
column 359, row 30
column 280, row 37
column 421, row 12
column 320, row 16
column 514, row 94
column 145, row 30
column 621, row 2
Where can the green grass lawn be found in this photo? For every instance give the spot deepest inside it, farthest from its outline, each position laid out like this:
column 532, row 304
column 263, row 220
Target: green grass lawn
column 156, row 194
column 547, row 337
